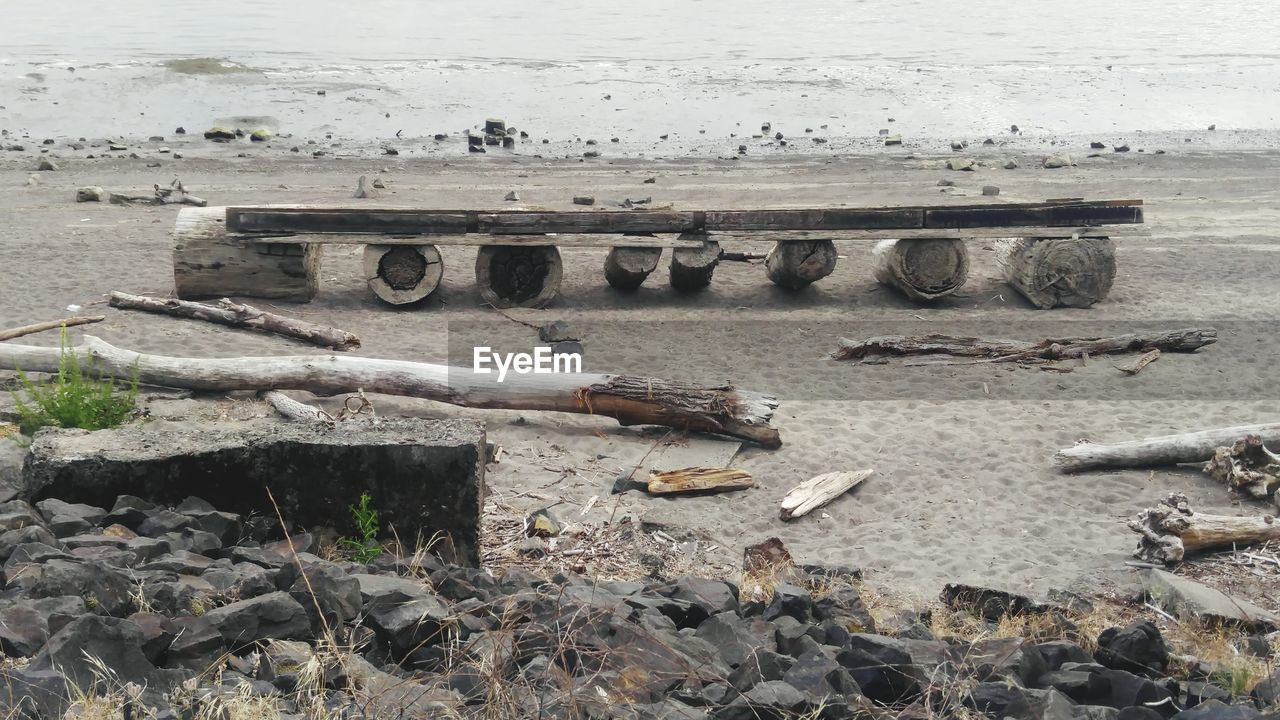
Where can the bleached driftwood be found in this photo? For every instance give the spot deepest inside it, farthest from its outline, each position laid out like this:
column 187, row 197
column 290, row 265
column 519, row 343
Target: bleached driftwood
column 238, row 315
column 175, row 194
column 1162, row 450
column 1137, row 365
column 816, row 492
column 695, row 479
column 994, row 350
column 1172, row 530
column 1247, row 466
column 293, row 409
column 18, row 332
column 631, row 400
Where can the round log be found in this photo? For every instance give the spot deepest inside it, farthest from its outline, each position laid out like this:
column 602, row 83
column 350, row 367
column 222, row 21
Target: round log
column 402, row 274
column 921, row 268
column 208, row 263
column 627, row 267
column 692, row 268
column 519, row 275
column 794, row 264
column 1058, row 272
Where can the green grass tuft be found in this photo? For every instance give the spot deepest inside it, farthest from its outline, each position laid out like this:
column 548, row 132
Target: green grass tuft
column 76, row 397
column 366, row 548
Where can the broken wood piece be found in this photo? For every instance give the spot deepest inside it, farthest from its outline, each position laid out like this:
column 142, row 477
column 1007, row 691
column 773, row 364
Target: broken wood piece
column 726, row 256
column 626, row 268
column 1058, row 272
column 630, row 399
column 816, row 492
column 293, row 409
column 175, row 194
column 1171, row 530
column 402, row 274
column 695, row 479
column 242, row 316
column 209, row 263
column 518, row 276
column 1162, row 450
column 1247, row 466
column 1137, row 365
column 795, row 264
column 996, row 350
column 921, row 269
column 17, row 332
column 692, row 268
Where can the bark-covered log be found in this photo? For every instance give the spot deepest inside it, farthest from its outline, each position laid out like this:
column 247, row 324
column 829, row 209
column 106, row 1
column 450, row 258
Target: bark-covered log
column 627, row 267
column 1162, row 450
column 692, row 268
column 17, row 332
column 1248, row 467
column 1059, row 272
column 241, row 316
column 631, row 400
column 518, row 276
column 402, row 274
column 794, row 264
column 996, row 350
column 922, row 269
column 209, row 264
column 1172, row 530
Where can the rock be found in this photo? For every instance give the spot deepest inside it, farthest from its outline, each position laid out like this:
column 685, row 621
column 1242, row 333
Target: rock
column 758, row 668
column 966, row 164
column 773, row 699
column 272, row 616
column 583, row 200
column 260, row 135
column 957, row 146
column 163, row 522
column 1121, row 148
column 157, row 634
column 946, row 183
column 541, row 523
column 326, row 590
column 881, row 666
column 492, row 140
column 1057, row 161
column 220, row 134
column 989, row 141
column 1057, row 652
column 742, row 149
column 508, row 141
column 1011, row 164
column 990, row 190
column 591, row 154
column 1213, row 127
column 494, row 126
column 23, row 632
column 650, row 180
column 1137, row 648
column 1008, row 658
column 1185, row 597
column 990, row 604
column 92, row 642
column 46, row 165
column 30, row 693
column 104, row 588
column 427, row 472
column 1013, row 128
column 196, row 644
column 845, row 607
column 363, row 189
column 558, row 331
column 512, row 196
column 1097, row 145
column 409, row 626
column 1267, row 691
column 475, row 149
column 893, row 139
column 1216, row 710
column 736, row 638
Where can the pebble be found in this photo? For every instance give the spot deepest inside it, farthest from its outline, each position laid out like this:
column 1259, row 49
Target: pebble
column 650, row 181
column 1013, row 128
column 957, row 146
column 946, row 183
column 988, row 141
column 1121, row 148
column 46, row 165
column 1011, row 164
column 963, row 164
column 508, row 141
column 591, row 154
column 1097, row 145
column 584, row 200
column 89, row 193
column 390, row 151
column 377, row 182
column 990, row 190
column 439, row 136
column 1057, row 161
column 512, row 196
column 893, row 140
column 778, row 135
column 742, row 149
column 180, row 131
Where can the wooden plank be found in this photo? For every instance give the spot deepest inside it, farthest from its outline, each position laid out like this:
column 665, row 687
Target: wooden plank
column 819, row 219
column 602, row 221
column 564, row 240
column 347, row 220
column 1112, row 231
column 1044, row 215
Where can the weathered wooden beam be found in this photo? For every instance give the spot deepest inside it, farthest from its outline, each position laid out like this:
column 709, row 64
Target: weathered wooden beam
column 819, row 219
column 600, row 221
column 1049, row 215
column 564, row 240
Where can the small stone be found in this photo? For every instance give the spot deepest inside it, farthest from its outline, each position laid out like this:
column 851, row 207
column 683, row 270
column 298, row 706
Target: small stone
column 1213, row 127
column 591, row 142
column 1057, row 161
column 1013, row 128
column 777, row 135
column 540, row 523
column 1097, row 145
column 883, row 131
column 260, row 135
column 583, row 200
column 220, row 134
column 390, row 151
column 990, row 190
column 377, row 183
column 988, row 141
column 163, row 151
column 957, row 146
column 46, row 165
column 1159, row 152
column 363, row 190
column 764, row 128
column 946, row 183
column 508, row 141
column 495, row 125
column 475, row 149
column 545, row 141
column 893, row 140
column 180, row 131
column 1011, row 164
column 512, row 196
column 650, row 181
column 89, row 193
column 962, row 164
column 742, row 149
column 1121, row 148
column 591, row 154
column 491, row 139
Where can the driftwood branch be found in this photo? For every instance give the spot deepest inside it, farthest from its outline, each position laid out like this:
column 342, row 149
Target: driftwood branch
column 1171, row 530
column 994, row 350
column 242, row 316
column 1162, row 450
column 1248, row 467
column 816, row 492
column 49, row 325
column 1136, row 366
column 696, row 479
column 293, row 409
column 631, row 400
column 175, row 194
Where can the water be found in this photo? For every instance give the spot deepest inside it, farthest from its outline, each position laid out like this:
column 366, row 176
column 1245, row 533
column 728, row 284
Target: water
column 704, row 72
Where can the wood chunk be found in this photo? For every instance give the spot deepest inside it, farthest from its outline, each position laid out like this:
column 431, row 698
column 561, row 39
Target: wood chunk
column 922, row 269
column 1247, row 466
column 1136, row 367
column 518, row 276
column 292, row 409
column 1171, row 530
column 999, row 350
column 50, row 325
column 207, row 263
column 1061, row 272
column 402, row 274
column 241, row 316
column 818, row 491
column 691, row 269
column 626, row 268
column 796, row 264
column 695, row 479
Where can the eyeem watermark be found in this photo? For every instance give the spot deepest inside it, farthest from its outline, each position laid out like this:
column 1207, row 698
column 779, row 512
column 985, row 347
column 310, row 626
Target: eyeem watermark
column 542, row 361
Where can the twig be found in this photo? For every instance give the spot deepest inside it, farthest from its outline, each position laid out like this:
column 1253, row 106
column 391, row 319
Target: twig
column 50, row 325
column 239, row 315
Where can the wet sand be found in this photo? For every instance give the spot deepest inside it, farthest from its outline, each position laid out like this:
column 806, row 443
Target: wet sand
column 963, row 489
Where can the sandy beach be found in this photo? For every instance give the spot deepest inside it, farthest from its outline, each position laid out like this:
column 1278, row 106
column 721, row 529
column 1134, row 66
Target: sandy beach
column 963, row 488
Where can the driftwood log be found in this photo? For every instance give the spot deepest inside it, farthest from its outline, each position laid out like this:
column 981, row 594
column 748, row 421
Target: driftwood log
column 292, row 409
column 1058, row 272
column 631, row 400
column 795, row 264
column 17, row 332
column 1189, row 447
column 922, row 269
column 816, row 492
column 1248, row 467
column 994, row 350
column 175, row 194
column 1136, row 366
column 240, row 316
column 518, row 276
column 208, row 263
column 626, row 268
column 402, row 274
column 692, row 268
column 696, row 479
column 1171, row 530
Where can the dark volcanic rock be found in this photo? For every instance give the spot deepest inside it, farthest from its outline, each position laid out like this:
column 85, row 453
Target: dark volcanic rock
column 881, row 666
column 115, row 643
column 31, row 693
column 1137, row 648
column 103, row 587
column 272, row 616
column 737, row 638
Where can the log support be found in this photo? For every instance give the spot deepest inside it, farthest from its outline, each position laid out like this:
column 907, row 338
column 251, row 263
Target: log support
column 795, row 264
column 692, row 268
column 519, row 276
column 1058, row 272
column 209, row 264
column 921, row 268
column 402, row 274
column 626, row 268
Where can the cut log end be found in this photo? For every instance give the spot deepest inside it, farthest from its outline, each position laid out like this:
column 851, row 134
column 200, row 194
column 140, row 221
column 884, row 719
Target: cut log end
column 626, row 268
column 519, row 276
column 692, row 268
column 922, row 269
column 402, row 274
column 795, row 264
column 207, row 263
column 1059, row 272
